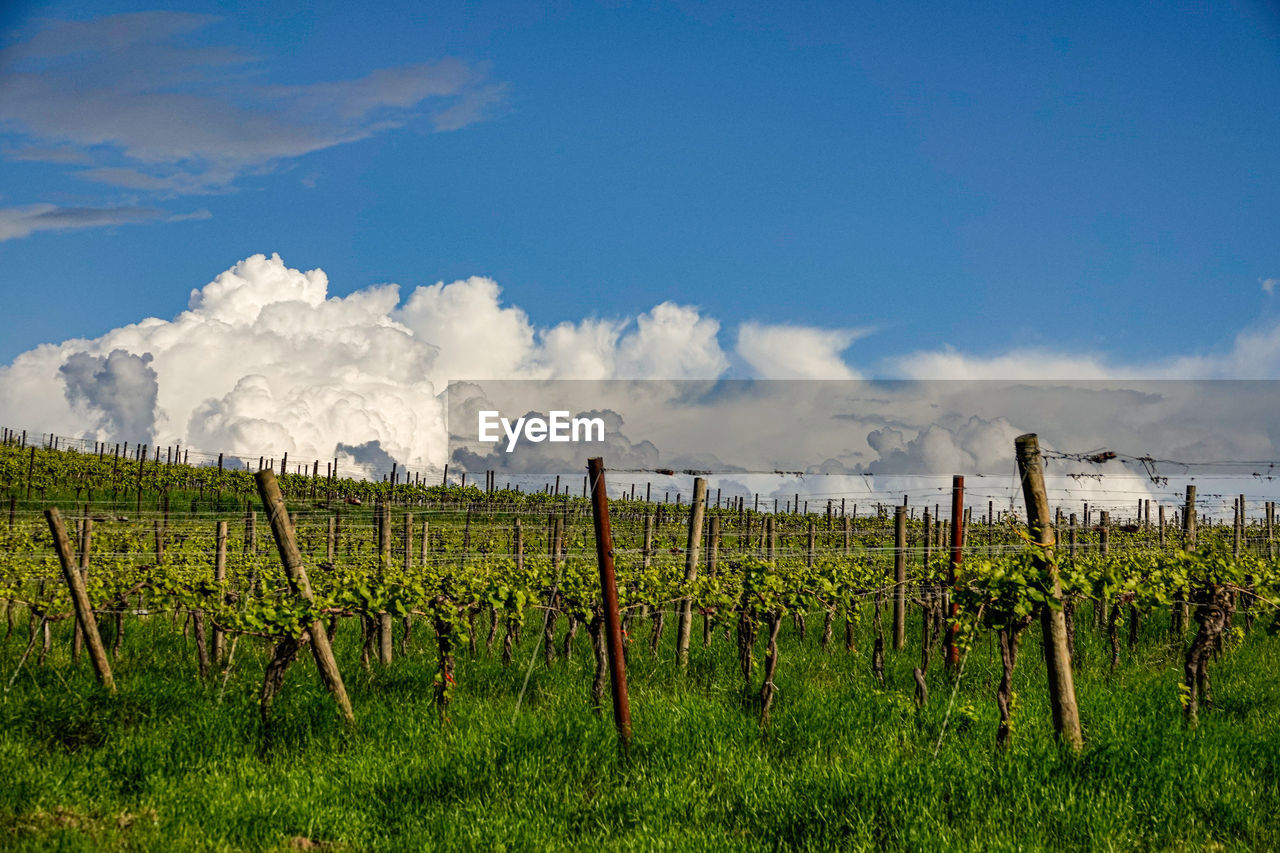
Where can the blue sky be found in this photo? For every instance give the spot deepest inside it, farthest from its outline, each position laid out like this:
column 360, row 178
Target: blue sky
column 1099, row 178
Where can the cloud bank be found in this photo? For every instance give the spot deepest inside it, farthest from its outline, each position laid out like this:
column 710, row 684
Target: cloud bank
column 264, row 361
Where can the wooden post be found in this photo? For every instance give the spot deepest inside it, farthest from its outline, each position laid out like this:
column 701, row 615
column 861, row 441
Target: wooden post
column 899, row 578
column 426, row 538
column 1189, row 520
column 957, row 558
column 291, row 558
column 219, row 577
column 251, row 532
column 609, row 594
column 1271, row 545
column 928, row 538
column 408, row 542
column 79, row 599
column 31, row 467
column 697, row 507
column 1062, row 692
column 142, row 464
column 384, row 563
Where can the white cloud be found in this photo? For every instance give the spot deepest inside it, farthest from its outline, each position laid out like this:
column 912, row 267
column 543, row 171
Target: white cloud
column 131, row 97
column 264, row 361
column 1269, row 284
column 1254, row 354
column 796, row 352
column 18, row 222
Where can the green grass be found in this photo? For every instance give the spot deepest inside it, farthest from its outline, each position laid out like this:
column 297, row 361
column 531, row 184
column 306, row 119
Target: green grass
column 845, row 765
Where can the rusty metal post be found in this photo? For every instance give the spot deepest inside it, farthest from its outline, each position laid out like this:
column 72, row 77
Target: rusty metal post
column 609, row 592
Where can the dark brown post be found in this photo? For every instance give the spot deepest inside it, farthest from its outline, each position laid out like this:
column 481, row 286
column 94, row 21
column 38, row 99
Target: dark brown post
column 1062, row 691
column 1189, row 520
column 84, row 610
column 957, row 558
column 899, row 578
column 609, row 592
column 694, row 545
column 1271, row 545
column 31, row 468
column 291, row 558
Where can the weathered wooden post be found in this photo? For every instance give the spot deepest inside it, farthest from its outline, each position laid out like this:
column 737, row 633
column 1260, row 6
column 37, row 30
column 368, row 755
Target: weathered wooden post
column 684, row 627
column 899, row 578
column 219, row 577
column 80, row 599
column 1178, row 619
column 957, row 558
column 1062, row 692
column 291, row 558
column 384, row 563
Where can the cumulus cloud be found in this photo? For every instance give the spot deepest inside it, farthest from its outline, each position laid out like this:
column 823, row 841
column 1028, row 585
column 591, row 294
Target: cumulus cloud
column 1269, row 284
column 119, row 390
column 796, row 352
column 264, row 361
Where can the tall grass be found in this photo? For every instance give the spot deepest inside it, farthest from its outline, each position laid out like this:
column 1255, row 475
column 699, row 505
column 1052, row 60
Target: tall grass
column 846, row 764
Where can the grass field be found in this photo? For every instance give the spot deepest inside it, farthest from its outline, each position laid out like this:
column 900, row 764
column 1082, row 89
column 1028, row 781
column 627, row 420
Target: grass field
column 846, row 764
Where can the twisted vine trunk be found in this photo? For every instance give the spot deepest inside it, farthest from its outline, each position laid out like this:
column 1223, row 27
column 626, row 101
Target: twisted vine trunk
column 445, row 646
column 284, row 654
column 493, row 630
column 1113, row 634
column 747, row 629
column 595, row 628
column 202, row 644
column 566, row 651
column 369, row 629
column 1008, row 646
column 850, row 623
column 768, row 689
column 407, row 633
column 1007, row 639
column 508, row 640
column 549, row 631
column 659, row 618
column 1212, row 608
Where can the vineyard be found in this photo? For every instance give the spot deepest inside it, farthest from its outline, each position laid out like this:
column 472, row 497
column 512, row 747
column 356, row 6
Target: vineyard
column 496, row 668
